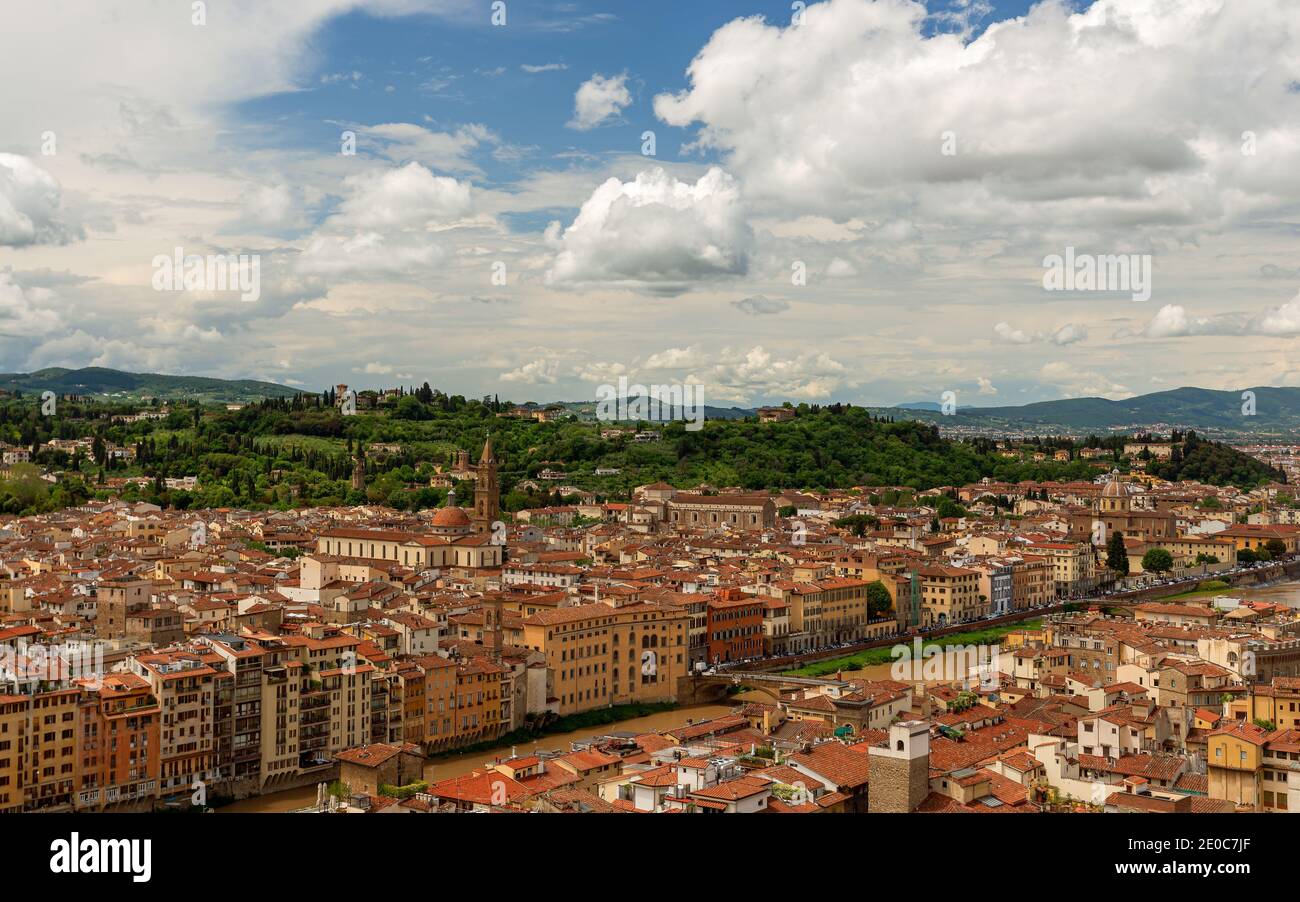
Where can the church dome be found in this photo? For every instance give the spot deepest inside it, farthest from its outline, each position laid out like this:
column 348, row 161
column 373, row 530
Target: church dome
column 1116, row 489
column 451, row 518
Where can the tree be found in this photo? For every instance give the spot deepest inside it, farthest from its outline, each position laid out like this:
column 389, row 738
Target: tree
column 878, row 600
column 1276, row 547
column 1158, row 560
column 1246, row 556
column 1117, row 554
column 949, row 508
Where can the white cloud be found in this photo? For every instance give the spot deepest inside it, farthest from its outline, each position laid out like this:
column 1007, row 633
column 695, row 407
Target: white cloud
column 21, row 315
column 1069, row 334
column 1011, row 335
column 368, row 253
column 840, row 268
column 451, row 151
column 599, row 100
column 986, row 386
column 536, row 372
column 654, row 234
column 1041, row 136
column 405, row 197
column 544, row 67
column 1173, row 321
column 29, row 205
column 675, row 358
column 741, row 375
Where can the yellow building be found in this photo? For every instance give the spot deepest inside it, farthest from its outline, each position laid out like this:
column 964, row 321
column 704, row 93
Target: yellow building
column 1234, row 753
column 598, row 655
column 1073, row 565
column 13, row 731
column 51, row 748
column 1277, row 702
column 950, row 595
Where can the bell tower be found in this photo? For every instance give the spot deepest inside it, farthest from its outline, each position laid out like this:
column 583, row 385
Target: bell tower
column 487, row 494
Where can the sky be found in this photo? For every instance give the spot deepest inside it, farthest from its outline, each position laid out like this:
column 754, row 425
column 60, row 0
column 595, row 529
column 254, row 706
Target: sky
column 846, row 200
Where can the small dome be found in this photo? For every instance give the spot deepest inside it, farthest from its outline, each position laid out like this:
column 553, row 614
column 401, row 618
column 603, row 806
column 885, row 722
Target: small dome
column 450, row 517
column 1116, row 489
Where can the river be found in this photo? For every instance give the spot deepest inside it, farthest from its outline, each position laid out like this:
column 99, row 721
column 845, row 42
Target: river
column 456, row 765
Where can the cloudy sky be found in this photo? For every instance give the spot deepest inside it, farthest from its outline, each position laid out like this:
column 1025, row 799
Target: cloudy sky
column 849, row 201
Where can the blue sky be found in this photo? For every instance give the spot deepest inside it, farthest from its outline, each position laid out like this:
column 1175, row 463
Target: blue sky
column 856, row 206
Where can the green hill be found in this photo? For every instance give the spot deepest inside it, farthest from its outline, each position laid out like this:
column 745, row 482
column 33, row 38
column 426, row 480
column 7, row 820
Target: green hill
column 100, row 382
column 1201, row 409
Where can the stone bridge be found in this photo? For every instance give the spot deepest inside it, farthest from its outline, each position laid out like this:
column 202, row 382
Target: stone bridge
column 703, row 688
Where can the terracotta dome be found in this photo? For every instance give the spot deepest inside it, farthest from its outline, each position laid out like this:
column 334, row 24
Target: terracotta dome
column 451, row 517
column 1116, row 489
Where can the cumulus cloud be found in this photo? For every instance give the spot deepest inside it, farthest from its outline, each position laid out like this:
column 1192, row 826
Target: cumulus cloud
column 30, row 205
column 21, row 313
column 385, row 224
column 654, row 234
column 742, row 375
column 535, row 372
column 276, row 206
column 599, row 100
column 757, row 373
column 1173, row 321
column 1011, row 335
column 405, row 197
column 759, row 305
column 851, row 112
column 1068, row 334
column 986, row 386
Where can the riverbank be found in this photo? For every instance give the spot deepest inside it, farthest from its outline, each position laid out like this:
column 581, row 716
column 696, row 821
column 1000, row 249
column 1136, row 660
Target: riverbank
column 462, row 761
column 876, row 656
column 600, row 717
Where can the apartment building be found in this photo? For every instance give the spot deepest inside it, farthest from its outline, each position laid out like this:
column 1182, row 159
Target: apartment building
column 822, row 612
column 735, row 626
column 185, row 687
column 1033, row 581
column 950, row 595
column 598, row 655
column 13, row 733
column 1073, row 566
column 119, row 721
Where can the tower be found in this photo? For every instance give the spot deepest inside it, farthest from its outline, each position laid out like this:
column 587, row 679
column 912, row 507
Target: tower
column 900, row 769
column 487, row 501
column 359, row 474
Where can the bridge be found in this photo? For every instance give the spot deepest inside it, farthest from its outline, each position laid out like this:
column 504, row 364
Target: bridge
column 711, row 687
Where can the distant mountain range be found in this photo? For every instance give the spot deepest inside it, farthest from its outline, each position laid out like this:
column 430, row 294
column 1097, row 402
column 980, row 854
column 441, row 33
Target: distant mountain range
column 1263, row 410
column 95, row 381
